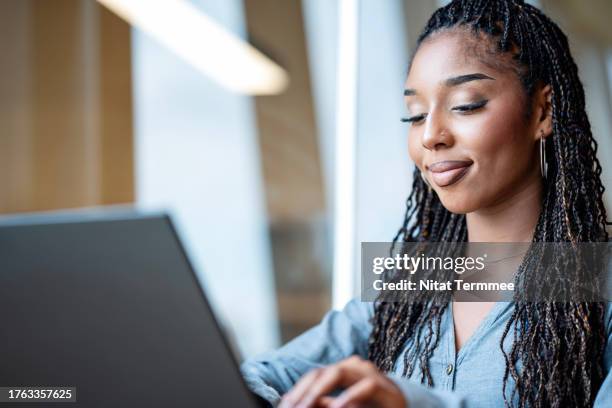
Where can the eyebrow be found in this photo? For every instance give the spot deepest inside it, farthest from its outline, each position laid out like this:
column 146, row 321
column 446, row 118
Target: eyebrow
column 454, row 81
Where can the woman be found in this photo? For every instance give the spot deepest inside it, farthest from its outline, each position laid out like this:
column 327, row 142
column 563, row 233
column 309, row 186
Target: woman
column 490, row 84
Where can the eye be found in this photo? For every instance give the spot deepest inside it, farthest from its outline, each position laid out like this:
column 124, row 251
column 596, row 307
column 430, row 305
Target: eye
column 471, row 106
column 414, row 119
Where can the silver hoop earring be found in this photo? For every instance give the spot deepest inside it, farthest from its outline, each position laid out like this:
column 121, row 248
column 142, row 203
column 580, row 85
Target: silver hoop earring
column 425, row 180
column 543, row 163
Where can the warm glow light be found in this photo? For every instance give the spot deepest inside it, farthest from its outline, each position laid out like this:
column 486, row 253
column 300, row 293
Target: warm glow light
column 204, row 44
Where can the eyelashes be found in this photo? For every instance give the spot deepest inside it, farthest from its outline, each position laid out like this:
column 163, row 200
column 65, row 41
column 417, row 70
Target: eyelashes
column 467, row 108
column 413, row 119
column 471, row 106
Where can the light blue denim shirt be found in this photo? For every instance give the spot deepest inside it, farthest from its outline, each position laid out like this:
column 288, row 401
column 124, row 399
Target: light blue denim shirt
column 472, row 377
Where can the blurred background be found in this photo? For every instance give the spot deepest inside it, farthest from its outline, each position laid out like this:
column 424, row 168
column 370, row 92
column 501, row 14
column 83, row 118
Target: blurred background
column 268, row 128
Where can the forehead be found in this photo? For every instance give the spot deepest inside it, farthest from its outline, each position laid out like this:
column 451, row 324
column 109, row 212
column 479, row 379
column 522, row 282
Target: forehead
column 457, row 52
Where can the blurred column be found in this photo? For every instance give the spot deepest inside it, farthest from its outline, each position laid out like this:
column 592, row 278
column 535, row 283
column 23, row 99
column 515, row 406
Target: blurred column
column 586, row 24
column 321, row 30
column 417, row 12
column 592, row 65
column 15, row 110
column 292, row 169
column 65, row 109
column 384, row 169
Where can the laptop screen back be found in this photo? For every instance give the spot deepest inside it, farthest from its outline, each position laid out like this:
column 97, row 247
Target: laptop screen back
column 110, row 305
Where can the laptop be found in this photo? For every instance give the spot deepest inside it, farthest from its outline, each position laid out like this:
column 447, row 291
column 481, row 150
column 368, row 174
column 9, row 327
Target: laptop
column 104, row 307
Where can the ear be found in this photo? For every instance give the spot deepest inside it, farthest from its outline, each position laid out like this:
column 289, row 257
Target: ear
column 542, row 112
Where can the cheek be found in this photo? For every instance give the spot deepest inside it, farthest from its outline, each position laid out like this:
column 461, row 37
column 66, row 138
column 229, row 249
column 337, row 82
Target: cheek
column 499, row 142
column 502, row 149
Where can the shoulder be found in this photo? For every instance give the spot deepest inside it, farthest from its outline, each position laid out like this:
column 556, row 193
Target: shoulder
column 359, row 311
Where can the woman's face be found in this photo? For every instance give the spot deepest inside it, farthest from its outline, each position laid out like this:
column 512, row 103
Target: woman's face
column 469, row 133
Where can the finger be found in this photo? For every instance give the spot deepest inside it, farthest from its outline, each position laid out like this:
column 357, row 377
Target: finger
column 360, row 393
column 296, row 395
column 330, row 379
column 343, row 374
column 298, row 390
column 324, row 402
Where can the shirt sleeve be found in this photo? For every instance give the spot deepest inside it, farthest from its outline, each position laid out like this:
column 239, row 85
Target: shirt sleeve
column 339, row 335
column 604, row 395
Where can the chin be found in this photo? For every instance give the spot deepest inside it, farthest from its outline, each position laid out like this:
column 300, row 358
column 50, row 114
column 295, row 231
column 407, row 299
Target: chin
column 458, row 203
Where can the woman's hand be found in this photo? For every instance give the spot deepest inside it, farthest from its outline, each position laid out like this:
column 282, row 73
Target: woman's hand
column 365, row 386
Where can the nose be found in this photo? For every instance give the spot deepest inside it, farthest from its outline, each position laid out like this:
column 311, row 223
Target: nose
column 436, row 135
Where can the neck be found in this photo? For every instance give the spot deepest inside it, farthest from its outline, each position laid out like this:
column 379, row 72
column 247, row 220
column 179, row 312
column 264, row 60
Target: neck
column 512, row 219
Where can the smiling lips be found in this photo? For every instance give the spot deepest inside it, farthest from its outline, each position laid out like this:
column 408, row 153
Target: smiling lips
column 445, row 173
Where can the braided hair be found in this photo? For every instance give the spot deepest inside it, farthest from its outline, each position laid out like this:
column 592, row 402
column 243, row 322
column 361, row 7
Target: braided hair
column 545, row 333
